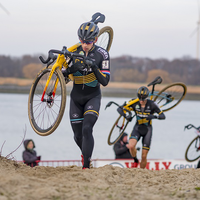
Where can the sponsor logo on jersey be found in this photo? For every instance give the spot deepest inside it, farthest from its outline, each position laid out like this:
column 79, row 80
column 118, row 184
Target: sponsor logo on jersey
column 103, row 52
column 105, row 64
column 75, row 115
column 81, row 53
column 143, row 116
column 90, row 107
column 137, row 107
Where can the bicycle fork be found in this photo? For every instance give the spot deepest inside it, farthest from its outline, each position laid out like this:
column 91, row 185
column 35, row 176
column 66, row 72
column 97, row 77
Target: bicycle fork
column 122, row 126
column 58, row 64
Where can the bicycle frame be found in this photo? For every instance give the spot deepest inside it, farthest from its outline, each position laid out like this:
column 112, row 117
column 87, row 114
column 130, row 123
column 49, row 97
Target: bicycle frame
column 164, row 96
column 61, row 61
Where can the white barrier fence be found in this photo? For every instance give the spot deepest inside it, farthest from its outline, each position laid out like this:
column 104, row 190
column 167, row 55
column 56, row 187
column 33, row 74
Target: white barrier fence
column 157, row 164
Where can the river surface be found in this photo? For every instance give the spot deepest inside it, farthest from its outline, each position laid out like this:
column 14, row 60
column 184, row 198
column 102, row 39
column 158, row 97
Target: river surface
column 169, row 139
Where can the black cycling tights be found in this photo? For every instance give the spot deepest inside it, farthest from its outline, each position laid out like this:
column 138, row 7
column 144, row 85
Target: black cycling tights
column 84, row 138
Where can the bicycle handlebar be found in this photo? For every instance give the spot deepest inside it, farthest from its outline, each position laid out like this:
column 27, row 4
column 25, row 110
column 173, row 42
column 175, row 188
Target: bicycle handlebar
column 189, row 126
column 51, row 57
column 112, row 102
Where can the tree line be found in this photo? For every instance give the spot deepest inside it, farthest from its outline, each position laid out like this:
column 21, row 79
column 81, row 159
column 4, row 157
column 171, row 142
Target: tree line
column 123, row 69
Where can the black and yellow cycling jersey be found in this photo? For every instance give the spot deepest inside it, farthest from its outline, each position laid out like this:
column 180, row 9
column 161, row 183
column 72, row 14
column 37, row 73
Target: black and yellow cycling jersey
column 90, row 78
column 87, row 83
column 142, row 113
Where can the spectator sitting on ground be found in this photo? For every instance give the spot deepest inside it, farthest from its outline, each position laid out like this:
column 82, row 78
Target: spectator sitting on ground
column 121, row 148
column 29, row 154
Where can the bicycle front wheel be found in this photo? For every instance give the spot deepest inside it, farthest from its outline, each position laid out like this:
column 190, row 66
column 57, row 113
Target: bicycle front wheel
column 117, row 130
column 45, row 114
column 193, row 151
column 105, row 38
column 170, row 96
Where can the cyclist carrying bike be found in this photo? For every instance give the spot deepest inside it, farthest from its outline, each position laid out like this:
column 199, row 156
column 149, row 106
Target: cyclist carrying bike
column 86, row 94
column 144, row 110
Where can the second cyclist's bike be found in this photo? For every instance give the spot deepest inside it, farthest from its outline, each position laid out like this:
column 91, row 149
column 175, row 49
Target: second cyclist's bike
column 47, row 97
column 167, row 98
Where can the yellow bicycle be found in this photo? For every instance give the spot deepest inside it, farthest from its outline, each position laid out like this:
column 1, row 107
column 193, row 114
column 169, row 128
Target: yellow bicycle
column 169, row 97
column 47, row 97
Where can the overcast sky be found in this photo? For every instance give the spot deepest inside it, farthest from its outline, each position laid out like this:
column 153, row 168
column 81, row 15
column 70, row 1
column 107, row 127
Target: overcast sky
column 142, row 28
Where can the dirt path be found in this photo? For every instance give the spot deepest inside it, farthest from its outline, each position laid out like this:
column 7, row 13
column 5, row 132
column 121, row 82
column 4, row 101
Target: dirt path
column 19, row 181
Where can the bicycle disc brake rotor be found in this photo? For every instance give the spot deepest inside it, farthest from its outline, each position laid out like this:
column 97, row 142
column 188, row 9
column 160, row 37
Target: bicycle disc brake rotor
column 50, row 100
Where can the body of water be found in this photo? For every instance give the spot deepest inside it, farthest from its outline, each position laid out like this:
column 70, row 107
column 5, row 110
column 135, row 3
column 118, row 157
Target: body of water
column 169, row 139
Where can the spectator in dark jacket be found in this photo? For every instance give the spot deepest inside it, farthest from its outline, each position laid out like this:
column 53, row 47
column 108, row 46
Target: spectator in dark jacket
column 29, row 154
column 121, row 148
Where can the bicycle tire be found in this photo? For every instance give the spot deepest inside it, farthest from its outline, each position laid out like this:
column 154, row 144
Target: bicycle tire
column 105, row 38
column 193, row 150
column 45, row 116
column 177, row 92
column 116, row 129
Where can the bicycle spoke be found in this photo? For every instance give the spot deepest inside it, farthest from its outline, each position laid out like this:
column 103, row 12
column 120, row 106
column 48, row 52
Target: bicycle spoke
column 103, row 40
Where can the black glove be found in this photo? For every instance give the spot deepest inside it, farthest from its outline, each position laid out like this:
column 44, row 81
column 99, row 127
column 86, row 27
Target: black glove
column 74, row 68
column 150, row 117
column 129, row 118
column 92, row 64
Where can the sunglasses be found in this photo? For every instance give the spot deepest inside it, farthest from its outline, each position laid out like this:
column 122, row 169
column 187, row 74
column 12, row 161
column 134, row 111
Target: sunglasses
column 86, row 42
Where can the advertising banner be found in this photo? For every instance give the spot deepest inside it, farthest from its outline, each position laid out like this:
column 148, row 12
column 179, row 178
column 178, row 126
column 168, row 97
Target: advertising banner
column 151, row 164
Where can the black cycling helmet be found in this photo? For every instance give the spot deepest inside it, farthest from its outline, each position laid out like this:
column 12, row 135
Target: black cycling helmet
column 88, row 31
column 143, row 93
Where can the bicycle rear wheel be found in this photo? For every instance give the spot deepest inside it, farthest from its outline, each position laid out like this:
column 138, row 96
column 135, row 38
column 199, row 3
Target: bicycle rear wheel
column 105, row 38
column 46, row 115
column 117, row 130
column 193, row 151
column 170, row 96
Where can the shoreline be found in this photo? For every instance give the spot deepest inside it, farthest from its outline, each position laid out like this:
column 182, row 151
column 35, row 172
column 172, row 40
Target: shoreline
column 114, row 89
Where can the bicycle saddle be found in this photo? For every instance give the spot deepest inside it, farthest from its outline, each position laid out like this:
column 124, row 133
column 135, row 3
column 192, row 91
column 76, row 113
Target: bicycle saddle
column 98, row 17
column 157, row 80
